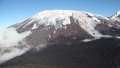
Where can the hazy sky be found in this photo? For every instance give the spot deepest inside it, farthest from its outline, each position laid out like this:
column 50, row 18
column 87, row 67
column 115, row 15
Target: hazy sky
column 14, row 11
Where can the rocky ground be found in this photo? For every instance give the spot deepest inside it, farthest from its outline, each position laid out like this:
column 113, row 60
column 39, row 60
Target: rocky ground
column 102, row 53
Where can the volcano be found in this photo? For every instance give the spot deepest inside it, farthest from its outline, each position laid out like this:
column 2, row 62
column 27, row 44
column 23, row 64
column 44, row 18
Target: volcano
column 63, row 36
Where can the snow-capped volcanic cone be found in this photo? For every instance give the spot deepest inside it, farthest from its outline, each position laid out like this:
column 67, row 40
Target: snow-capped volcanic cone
column 54, row 27
column 67, row 26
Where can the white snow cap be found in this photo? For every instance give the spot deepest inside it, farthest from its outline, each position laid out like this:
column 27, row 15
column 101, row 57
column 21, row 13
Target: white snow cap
column 116, row 17
column 58, row 18
column 117, row 14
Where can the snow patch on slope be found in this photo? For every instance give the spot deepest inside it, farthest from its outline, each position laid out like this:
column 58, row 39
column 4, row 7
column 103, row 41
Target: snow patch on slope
column 34, row 26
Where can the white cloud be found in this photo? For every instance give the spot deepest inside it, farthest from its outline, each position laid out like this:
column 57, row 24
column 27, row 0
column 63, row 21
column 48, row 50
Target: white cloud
column 9, row 47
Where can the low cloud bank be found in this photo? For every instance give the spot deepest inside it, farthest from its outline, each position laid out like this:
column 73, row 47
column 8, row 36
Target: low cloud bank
column 9, row 44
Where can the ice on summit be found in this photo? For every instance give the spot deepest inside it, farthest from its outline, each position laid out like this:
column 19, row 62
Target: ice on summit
column 58, row 18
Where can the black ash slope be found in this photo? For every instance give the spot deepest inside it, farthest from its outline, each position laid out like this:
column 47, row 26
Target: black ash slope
column 102, row 53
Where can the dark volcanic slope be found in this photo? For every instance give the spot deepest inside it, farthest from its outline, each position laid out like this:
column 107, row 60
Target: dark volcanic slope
column 103, row 53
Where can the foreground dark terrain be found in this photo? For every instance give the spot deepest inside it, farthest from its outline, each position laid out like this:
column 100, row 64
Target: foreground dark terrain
column 102, row 53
